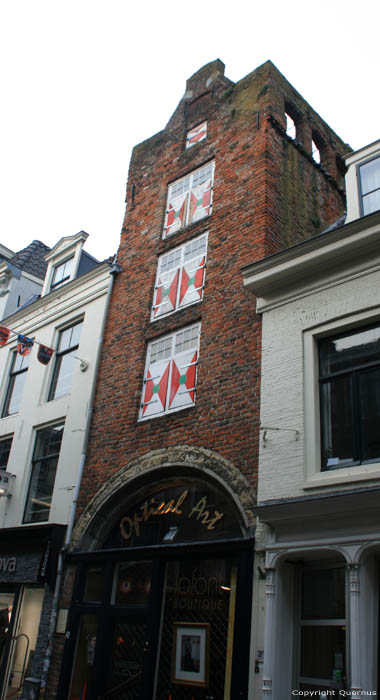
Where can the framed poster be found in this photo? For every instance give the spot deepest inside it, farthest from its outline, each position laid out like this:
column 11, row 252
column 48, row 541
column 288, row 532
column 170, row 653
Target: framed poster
column 191, row 642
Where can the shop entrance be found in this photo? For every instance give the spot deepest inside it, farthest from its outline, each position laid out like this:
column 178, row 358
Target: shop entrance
column 165, row 620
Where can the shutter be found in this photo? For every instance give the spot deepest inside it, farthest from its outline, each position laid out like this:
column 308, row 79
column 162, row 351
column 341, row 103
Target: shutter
column 176, row 214
column 155, row 389
column 165, row 297
column 183, row 377
column 192, row 282
column 197, row 134
column 200, row 201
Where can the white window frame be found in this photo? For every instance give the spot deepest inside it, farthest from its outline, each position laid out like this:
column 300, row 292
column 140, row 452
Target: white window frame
column 181, row 276
column 196, row 134
column 189, row 199
column 363, row 196
column 65, row 278
column 170, row 375
column 313, row 474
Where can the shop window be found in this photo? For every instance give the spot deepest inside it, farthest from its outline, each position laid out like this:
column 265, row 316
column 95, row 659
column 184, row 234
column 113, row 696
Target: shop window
column 5, row 448
column 369, row 174
column 44, row 467
column 322, row 629
column 197, row 134
column 180, row 277
column 170, row 373
column 349, row 376
column 65, row 359
column 189, row 199
column 16, row 382
column 62, row 274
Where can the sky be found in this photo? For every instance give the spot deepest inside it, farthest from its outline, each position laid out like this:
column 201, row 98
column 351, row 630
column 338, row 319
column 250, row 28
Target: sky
column 83, row 81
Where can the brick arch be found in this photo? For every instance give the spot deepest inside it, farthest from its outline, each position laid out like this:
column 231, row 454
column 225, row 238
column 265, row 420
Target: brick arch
column 92, row 525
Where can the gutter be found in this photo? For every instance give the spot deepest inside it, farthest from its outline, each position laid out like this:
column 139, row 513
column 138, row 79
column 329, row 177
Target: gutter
column 114, row 270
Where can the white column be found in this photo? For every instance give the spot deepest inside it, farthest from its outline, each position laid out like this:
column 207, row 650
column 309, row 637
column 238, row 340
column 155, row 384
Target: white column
column 354, row 626
column 269, row 635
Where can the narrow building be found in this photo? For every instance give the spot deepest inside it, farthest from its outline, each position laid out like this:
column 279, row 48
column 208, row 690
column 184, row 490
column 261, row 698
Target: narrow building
column 158, row 580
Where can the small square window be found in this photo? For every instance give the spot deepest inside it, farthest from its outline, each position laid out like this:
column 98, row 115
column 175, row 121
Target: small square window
column 65, row 361
column 370, row 186
column 349, row 379
column 62, row 274
column 197, row 134
column 170, row 373
column 44, row 467
column 16, row 381
column 189, row 199
column 180, row 277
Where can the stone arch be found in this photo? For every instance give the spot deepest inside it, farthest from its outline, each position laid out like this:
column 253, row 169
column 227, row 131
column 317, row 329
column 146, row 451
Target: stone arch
column 94, row 521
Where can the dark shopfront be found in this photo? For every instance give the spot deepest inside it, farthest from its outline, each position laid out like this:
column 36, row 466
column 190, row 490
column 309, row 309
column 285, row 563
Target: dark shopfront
column 28, row 561
column 162, row 610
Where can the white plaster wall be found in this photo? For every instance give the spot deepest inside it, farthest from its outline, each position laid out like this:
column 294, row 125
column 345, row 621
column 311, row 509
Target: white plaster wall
column 287, row 467
column 83, row 298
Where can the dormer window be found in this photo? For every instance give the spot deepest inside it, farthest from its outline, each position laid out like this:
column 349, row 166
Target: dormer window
column 370, row 186
column 62, row 273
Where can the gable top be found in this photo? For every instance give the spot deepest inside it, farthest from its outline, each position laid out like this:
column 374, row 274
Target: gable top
column 68, row 248
column 32, row 259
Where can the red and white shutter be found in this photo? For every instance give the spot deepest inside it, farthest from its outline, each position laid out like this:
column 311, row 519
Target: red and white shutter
column 197, row 134
column 192, row 281
column 176, row 214
column 165, row 296
column 183, row 380
column 155, row 389
column 200, row 201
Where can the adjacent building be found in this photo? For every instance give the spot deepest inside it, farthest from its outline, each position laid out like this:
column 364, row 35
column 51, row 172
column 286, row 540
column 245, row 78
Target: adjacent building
column 158, row 581
column 318, row 537
column 48, row 364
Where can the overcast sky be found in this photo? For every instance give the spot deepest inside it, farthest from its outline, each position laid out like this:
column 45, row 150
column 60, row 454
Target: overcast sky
column 82, row 81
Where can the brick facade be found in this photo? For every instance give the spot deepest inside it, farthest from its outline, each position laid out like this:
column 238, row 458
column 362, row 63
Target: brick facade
column 268, row 193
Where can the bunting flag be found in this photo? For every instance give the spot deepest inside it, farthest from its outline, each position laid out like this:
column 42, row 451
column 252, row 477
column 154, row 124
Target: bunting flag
column 24, row 344
column 4, row 334
column 44, row 354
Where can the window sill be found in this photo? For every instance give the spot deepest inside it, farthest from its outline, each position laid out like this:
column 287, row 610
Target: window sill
column 345, row 475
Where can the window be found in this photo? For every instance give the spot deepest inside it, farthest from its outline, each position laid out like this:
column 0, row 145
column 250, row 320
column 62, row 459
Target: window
column 44, row 467
column 370, row 185
column 323, row 629
column 349, row 371
column 290, row 126
column 195, row 135
column 170, row 373
column 180, row 277
column 5, row 448
column 189, row 199
column 65, row 361
column 61, row 274
column 315, row 152
column 17, row 376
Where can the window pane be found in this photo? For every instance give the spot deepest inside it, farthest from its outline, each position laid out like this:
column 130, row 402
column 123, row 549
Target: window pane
column 84, row 658
column 370, row 176
column 323, row 595
column 95, row 578
column 323, row 651
column 369, row 385
column 371, row 202
column 350, row 351
column 15, row 391
column 5, row 448
column 132, row 583
column 64, row 375
column 337, row 422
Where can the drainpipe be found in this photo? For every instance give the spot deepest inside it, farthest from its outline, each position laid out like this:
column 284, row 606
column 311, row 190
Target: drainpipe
column 114, row 270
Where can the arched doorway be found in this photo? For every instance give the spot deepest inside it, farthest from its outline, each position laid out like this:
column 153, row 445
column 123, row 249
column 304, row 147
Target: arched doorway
column 161, row 606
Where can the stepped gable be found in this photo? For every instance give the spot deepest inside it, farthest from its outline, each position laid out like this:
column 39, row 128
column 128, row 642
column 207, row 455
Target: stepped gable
column 32, row 259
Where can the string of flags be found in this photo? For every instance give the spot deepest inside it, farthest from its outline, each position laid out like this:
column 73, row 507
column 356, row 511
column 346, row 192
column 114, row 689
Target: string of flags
column 25, row 344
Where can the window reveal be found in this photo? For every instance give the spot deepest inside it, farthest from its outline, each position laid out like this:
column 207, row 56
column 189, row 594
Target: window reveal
column 180, row 277
column 189, row 199
column 170, row 374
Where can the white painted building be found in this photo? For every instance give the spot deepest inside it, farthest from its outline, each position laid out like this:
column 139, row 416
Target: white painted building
column 45, row 408
column 319, row 465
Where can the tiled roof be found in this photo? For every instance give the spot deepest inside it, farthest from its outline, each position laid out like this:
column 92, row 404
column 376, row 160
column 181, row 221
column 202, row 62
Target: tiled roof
column 32, row 259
